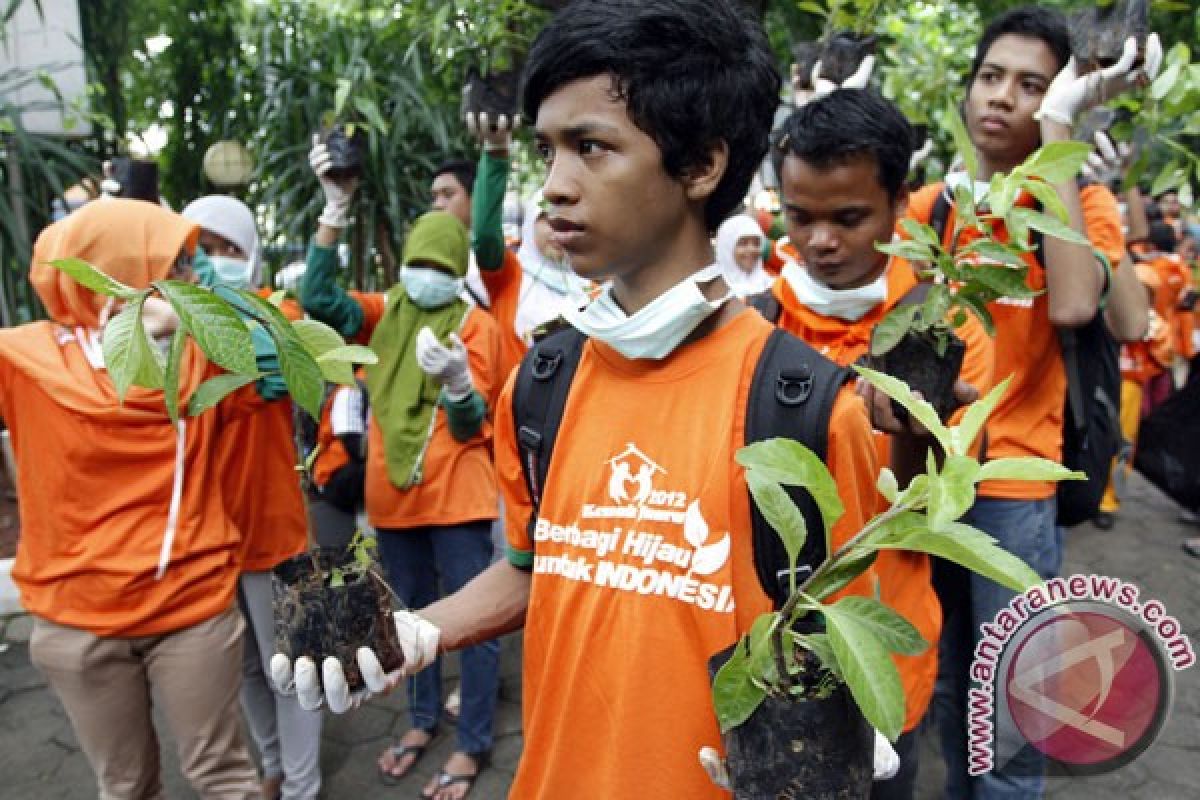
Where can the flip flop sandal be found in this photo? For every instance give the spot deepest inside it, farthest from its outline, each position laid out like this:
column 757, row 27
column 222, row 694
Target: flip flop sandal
column 446, row 779
column 399, row 752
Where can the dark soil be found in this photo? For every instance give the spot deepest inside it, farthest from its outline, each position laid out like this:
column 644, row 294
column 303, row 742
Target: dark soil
column 916, row 362
column 345, row 152
column 494, row 94
column 1098, row 34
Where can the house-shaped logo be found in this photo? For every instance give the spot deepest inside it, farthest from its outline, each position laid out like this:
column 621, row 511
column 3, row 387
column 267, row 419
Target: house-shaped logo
column 632, row 471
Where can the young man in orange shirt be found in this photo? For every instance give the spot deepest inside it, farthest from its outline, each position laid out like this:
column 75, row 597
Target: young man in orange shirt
column 1023, row 92
column 651, row 134
column 845, row 158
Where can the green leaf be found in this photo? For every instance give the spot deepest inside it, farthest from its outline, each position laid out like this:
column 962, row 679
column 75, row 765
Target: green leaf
column 1165, row 82
column 762, row 665
column 302, row 374
column 128, row 355
column 907, row 249
column 1051, row 203
column 952, row 491
column 214, row 324
column 1171, row 176
column 317, row 337
column 818, row 644
column 972, row 549
column 887, row 484
column 780, row 512
column 214, row 390
column 89, row 277
column 921, row 410
column 792, row 464
column 1027, row 468
column 1056, row 162
column 963, row 435
column 1049, row 226
column 919, row 232
column 350, row 354
column 952, row 121
column 890, row 330
column 995, row 251
column 735, row 695
column 895, row 632
column 171, row 377
column 840, row 575
column 869, row 671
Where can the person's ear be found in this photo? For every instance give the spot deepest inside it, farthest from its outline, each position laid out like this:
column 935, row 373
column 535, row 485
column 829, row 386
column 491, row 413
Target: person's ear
column 900, row 204
column 701, row 179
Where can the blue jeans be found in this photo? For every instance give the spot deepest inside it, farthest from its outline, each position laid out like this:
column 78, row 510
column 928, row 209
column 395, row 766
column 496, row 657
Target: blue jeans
column 1026, row 529
column 415, row 559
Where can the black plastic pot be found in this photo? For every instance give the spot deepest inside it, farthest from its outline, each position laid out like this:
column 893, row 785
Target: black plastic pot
column 493, row 94
column 346, row 152
column 1098, row 34
column 804, row 57
column 317, row 620
column 915, row 361
column 842, row 54
column 138, row 179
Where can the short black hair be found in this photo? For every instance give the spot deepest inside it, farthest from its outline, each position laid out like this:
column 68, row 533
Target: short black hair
column 691, row 72
column 1163, row 237
column 462, row 170
column 1046, row 24
column 848, row 124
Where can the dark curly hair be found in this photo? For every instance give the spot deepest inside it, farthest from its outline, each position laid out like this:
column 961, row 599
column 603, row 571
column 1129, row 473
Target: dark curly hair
column 692, row 73
column 1033, row 22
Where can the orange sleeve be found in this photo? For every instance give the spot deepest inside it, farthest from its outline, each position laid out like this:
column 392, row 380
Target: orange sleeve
column 854, row 463
column 518, row 507
column 373, row 305
column 1102, row 222
column 481, row 335
column 978, row 367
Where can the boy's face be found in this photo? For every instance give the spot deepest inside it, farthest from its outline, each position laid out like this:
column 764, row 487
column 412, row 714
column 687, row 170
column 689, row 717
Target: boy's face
column 1002, row 99
column 834, row 217
column 450, row 195
column 613, row 208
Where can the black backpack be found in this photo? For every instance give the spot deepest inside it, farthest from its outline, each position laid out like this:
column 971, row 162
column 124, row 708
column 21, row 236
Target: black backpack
column 1091, row 410
column 791, row 395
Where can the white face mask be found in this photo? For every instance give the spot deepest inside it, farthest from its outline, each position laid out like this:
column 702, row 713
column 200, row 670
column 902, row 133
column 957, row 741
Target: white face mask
column 655, row 331
column 848, row 304
column 956, row 179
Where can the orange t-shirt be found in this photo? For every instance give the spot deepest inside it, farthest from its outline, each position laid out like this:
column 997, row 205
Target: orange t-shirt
column 256, row 460
column 95, row 492
column 1176, row 280
column 644, row 566
column 1029, row 419
column 460, row 481
column 504, row 289
column 904, row 577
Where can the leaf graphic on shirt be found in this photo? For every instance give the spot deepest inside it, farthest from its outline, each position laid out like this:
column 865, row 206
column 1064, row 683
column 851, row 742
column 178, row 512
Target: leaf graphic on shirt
column 695, row 529
column 710, row 558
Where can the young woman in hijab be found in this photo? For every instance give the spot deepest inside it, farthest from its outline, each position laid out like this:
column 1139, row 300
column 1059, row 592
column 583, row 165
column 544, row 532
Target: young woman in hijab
column 739, row 253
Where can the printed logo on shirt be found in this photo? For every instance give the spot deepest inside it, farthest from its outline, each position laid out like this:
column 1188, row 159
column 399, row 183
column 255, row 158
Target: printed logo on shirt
column 648, row 541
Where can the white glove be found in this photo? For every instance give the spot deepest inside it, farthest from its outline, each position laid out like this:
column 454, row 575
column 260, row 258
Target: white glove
column 887, row 763
column 418, row 640
column 338, row 197
column 446, row 365
column 1107, row 164
column 858, row 80
column 714, row 765
column 494, row 140
column 1070, row 93
column 920, row 154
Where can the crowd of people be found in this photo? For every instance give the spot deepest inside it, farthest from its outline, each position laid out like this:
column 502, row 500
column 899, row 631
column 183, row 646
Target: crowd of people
column 147, row 548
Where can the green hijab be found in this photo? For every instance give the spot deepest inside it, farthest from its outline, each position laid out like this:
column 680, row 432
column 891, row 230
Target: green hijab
column 403, row 398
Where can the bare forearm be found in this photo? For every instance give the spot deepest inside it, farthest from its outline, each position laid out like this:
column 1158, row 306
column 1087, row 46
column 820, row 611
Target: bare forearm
column 492, row 604
column 1135, row 212
column 1074, row 278
column 327, row 236
column 1126, row 314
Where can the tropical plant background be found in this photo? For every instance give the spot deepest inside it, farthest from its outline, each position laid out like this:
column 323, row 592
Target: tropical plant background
column 179, row 75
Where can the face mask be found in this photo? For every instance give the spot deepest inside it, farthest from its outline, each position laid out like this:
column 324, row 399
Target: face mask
column 232, row 272
column 848, row 304
column 656, row 330
column 202, row 266
column 430, row 288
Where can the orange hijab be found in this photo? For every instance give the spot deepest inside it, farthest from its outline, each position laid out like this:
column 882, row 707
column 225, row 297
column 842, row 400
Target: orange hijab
column 132, row 241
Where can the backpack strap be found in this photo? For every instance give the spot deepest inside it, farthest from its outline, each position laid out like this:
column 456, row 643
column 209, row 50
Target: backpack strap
column 791, row 396
column 767, row 304
column 539, row 397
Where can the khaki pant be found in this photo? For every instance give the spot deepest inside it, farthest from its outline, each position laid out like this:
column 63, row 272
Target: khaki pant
column 106, row 685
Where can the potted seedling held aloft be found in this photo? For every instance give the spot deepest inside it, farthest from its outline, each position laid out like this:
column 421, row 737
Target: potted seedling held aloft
column 798, row 696
column 346, row 128
column 1099, row 33
column 916, row 341
column 329, row 601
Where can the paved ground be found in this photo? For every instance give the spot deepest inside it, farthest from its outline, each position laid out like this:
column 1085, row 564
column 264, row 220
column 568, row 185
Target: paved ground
column 40, row 759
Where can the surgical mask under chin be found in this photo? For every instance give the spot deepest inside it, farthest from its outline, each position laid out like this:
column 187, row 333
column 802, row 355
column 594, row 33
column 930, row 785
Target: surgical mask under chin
column 658, row 328
column 430, row 288
column 235, row 273
column 848, row 304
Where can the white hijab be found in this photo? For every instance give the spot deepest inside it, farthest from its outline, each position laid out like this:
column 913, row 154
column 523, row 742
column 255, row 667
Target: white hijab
column 743, row 283
column 232, row 219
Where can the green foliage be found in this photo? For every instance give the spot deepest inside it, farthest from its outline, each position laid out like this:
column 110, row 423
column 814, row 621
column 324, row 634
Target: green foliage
column 861, row 632
column 969, row 278
column 219, row 322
